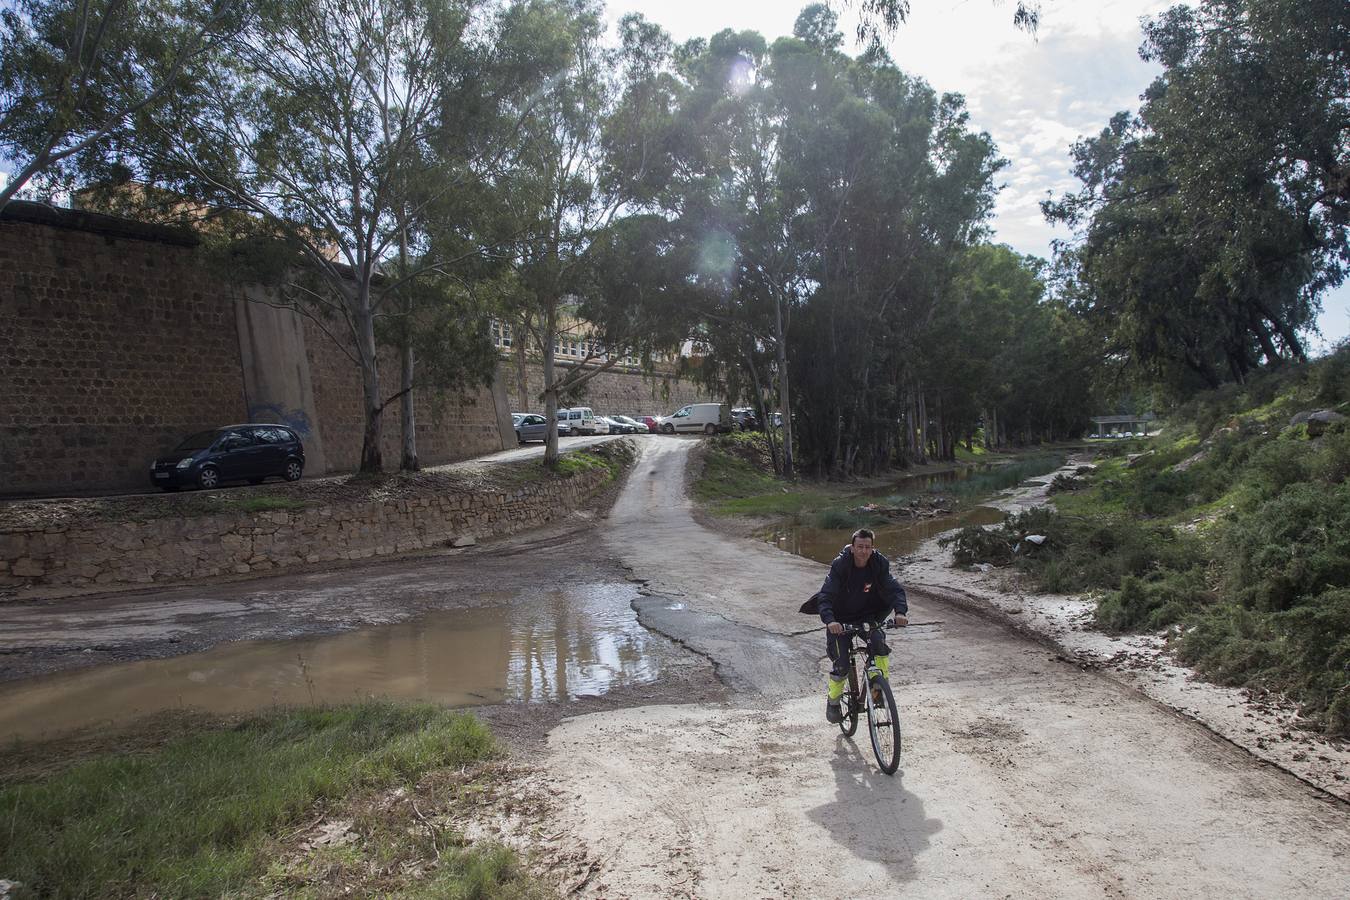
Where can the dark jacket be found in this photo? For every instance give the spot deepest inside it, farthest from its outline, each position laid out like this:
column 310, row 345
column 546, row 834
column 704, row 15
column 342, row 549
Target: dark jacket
column 852, row 595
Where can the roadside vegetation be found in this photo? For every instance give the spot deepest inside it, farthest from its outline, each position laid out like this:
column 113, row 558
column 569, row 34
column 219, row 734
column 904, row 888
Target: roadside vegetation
column 1231, row 530
column 230, row 808
column 738, row 480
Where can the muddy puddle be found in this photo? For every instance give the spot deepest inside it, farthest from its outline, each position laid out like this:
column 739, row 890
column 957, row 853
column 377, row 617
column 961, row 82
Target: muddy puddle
column 560, row 644
column 899, row 539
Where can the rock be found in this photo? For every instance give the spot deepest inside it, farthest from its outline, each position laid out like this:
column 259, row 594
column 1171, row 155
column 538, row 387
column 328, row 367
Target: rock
column 1318, row 421
column 464, row 540
column 1300, row 418
column 1036, row 539
column 29, row 568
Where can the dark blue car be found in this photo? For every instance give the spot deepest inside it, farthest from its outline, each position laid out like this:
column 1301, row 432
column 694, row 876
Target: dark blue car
column 234, row 453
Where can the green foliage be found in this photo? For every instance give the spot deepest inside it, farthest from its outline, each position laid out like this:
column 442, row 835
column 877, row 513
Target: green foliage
column 191, row 819
column 1211, row 221
column 75, row 76
column 578, row 461
column 1235, row 531
column 1291, row 547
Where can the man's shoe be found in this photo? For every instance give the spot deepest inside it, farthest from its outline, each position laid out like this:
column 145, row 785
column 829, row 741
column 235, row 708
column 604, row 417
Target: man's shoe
column 833, row 714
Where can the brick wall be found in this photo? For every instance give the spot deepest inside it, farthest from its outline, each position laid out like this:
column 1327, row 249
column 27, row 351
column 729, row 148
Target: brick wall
column 112, row 348
column 451, row 425
column 115, row 343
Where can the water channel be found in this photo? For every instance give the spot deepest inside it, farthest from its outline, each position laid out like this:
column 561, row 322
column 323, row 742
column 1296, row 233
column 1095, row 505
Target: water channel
column 900, row 538
column 538, row 646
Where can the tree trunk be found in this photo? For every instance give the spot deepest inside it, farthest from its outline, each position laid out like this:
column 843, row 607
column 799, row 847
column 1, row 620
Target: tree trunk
column 922, row 424
column 762, row 410
column 409, row 463
column 372, row 458
column 522, row 376
column 550, row 390
column 784, row 397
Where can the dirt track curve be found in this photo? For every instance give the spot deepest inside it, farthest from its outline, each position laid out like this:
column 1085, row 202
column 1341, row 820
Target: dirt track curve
column 1021, row 775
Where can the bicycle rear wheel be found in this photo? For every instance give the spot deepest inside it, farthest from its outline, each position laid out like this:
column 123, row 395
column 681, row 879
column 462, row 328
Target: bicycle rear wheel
column 852, row 704
column 883, row 723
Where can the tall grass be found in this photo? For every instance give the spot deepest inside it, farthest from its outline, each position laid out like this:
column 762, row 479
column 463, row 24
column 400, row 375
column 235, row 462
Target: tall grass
column 191, row 819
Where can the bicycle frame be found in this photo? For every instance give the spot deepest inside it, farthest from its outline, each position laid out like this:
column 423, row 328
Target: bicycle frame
column 865, row 683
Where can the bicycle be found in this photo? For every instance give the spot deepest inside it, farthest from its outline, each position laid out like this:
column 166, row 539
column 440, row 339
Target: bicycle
column 883, row 719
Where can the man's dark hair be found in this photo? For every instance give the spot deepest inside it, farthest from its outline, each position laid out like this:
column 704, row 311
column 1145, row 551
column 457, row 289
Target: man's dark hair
column 863, row 533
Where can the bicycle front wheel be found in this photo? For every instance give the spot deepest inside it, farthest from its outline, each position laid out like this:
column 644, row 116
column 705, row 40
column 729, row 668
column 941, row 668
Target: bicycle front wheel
column 883, row 722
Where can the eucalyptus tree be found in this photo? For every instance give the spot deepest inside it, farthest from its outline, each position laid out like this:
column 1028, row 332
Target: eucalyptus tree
column 751, row 243
column 895, row 187
column 316, row 123
column 75, row 75
column 591, row 257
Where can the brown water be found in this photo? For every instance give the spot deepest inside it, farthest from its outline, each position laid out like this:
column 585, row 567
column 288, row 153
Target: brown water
column 900, row 539
column 558, row 644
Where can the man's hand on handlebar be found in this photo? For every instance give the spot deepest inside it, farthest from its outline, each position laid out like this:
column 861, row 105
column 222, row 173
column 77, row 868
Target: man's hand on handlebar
column 835, row 628
column 901, row 621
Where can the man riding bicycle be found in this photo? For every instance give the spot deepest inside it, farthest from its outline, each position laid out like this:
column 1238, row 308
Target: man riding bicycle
column 860, row 588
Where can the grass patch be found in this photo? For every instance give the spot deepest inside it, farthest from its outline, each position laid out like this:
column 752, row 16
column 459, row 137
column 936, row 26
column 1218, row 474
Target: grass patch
column 199, row 815
column 264, row 503
column 1232, row 529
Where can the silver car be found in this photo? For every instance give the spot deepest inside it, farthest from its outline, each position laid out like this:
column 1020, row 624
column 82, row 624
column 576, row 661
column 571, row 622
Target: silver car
column 530, row 427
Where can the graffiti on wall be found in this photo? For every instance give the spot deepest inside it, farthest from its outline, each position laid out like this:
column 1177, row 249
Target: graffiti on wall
column 295, row 419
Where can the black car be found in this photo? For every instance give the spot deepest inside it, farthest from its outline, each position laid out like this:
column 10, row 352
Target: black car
column 745, row 419
column 234, row 453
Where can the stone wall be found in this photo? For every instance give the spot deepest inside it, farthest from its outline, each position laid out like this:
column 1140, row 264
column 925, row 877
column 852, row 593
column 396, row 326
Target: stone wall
column 113, row 345
column 162, row 551
column 620, row 391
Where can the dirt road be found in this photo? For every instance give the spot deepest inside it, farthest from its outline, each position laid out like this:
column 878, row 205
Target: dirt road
column 1021, row 775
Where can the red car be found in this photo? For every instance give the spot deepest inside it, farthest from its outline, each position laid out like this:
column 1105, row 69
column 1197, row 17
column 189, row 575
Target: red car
column 650, row 422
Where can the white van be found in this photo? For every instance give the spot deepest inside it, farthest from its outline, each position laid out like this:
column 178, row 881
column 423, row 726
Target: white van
column 577, row 420
column 708, row 418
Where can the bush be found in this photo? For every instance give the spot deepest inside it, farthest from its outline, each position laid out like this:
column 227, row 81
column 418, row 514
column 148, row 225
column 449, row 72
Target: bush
column 1331, row 376
column 1153, row 602
column 1289, row 548
column 974, row 544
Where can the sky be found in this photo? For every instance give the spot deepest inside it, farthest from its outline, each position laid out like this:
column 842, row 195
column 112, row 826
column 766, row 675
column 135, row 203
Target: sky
column 1035, row 96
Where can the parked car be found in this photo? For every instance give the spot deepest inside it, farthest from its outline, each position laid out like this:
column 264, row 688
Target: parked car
column 708, row 418
column 637, row 426
column 530, row 427
column 578, row 420
column 617, row 425
column 744, row 418
column 653, row 425
column 249, row 453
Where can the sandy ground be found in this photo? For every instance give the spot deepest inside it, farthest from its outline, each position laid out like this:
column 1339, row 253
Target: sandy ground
column 1024, row 773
